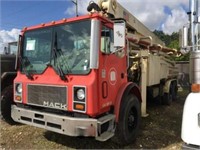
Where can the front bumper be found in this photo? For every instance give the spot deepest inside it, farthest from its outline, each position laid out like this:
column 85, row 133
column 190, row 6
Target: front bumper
column 61, row 124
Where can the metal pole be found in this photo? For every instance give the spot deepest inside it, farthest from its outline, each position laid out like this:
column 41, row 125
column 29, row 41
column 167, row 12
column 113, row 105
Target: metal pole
column 195, row 53
column 192, row 17
column 76, row 3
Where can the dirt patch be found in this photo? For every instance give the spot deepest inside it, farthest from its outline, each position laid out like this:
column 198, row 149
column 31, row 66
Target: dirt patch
column 160, row 130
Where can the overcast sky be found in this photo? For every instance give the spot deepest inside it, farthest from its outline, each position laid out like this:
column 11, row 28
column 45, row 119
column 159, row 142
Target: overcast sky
column 166, row 15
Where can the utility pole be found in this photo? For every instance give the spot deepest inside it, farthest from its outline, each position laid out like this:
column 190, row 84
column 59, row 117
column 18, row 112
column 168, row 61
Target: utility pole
column 76, row 3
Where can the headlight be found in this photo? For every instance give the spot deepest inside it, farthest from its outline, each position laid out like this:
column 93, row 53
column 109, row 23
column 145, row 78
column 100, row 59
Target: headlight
column 80, row 94
column 79, row 98
column 19, row 88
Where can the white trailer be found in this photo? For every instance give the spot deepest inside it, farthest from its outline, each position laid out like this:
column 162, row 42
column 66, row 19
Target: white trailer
column 191, row 114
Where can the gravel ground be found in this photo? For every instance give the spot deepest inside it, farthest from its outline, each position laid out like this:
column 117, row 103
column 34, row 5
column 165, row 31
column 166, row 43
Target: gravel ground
column 160, row 130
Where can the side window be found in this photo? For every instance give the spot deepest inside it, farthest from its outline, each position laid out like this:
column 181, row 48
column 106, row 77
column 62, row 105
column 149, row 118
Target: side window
column 13, row 48
column 107, row 40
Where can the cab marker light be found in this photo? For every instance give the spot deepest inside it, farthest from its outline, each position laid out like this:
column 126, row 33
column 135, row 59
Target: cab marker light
column 18, row 98
column 195, row 88
column 79, row 106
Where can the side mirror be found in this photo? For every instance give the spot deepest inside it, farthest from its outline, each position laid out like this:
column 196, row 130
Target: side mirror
column 119, row 38
column 119, row 34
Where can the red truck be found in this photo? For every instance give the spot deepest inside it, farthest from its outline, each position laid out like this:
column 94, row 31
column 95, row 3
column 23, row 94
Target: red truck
column 88, row 76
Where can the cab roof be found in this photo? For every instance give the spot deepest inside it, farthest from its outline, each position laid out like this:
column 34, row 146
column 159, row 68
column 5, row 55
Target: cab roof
column 67, row 20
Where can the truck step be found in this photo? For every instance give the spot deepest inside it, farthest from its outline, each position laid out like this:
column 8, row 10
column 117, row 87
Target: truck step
column 105, row 119
column 105, row 136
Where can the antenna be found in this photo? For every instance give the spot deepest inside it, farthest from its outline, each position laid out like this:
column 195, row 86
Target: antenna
column 76, row 3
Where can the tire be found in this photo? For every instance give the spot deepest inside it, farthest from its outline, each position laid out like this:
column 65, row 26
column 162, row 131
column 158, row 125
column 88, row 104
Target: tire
column 174, row 91
column 6, row 101
column 129, row 120
column 167, row 98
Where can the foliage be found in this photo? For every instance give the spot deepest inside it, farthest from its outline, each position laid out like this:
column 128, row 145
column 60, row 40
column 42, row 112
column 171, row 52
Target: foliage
column 172, row 41
column 184, row 57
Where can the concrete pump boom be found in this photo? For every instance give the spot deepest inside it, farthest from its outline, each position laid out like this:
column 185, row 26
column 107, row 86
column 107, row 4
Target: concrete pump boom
column 133, row 24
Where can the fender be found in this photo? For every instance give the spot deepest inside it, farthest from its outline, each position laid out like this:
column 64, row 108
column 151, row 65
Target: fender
column 7, row 78
column 124, row 91
column 167, row 85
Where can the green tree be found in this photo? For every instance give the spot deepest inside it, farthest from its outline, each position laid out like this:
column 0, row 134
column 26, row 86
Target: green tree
column 174, row 44
column 172, row 41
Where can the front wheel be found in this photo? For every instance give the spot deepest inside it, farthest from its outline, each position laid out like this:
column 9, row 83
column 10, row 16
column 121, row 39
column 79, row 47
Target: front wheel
column 129, row 120
column 6, row 102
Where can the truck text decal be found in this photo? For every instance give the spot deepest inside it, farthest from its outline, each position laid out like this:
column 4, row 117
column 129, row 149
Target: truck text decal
column 55, row 105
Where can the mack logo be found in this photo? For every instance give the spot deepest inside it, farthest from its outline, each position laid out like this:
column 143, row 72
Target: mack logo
column 54, row 105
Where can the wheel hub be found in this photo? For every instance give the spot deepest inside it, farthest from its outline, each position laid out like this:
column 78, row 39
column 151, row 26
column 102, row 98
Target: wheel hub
column 131, row 120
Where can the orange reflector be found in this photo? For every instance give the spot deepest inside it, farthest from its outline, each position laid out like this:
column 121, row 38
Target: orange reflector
column 195, row 88
column 79, row 106
column 18, row 98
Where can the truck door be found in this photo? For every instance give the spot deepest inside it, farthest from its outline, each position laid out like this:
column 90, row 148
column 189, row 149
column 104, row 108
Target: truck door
column 112, row 69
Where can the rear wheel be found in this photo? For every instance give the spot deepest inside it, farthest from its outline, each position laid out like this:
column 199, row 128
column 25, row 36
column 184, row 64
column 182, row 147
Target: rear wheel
column 129, row 120
column 6, row 102
column 167, row 97
column 174, row 91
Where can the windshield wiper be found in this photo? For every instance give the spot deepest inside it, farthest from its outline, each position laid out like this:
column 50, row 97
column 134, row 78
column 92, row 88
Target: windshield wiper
column 59, row 68
column 28, row 74
column 55, row 56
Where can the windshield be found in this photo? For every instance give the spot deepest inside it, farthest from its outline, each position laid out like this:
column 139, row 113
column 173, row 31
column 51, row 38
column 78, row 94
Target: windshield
column 65, row 47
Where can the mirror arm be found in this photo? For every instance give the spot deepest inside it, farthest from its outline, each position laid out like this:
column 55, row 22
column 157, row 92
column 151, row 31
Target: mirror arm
column 118, row 49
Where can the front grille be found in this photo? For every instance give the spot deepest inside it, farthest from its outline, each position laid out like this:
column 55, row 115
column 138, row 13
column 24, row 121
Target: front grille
column 47, row 96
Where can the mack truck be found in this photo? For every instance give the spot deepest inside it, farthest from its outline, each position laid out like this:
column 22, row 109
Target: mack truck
column 91, row 75
column 191, row 113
